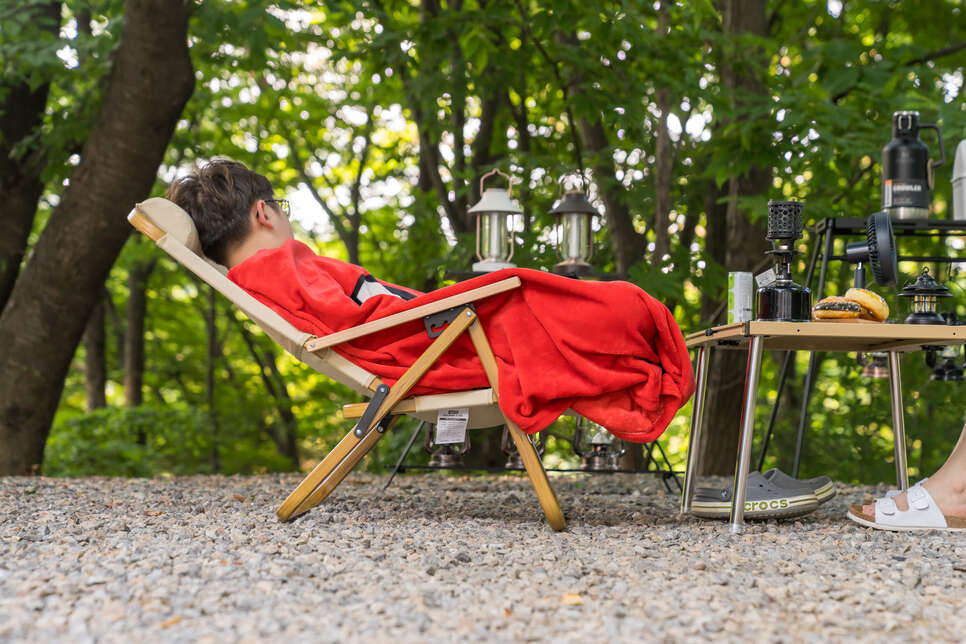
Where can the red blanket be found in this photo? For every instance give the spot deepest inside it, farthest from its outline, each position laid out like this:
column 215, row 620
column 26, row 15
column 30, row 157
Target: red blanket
column 607, row 350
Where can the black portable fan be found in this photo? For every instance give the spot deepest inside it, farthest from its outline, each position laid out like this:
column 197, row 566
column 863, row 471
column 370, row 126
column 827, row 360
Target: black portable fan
column 878, row 250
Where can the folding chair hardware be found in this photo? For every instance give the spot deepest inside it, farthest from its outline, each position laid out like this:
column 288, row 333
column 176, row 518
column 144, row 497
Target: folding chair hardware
column 435, row 322
column 371, row 409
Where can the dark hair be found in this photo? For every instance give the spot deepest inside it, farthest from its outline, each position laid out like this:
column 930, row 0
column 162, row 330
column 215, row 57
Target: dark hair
column 218, row 196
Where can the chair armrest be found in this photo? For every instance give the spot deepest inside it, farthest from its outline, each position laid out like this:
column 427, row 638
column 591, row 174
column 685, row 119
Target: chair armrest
column 317, row 344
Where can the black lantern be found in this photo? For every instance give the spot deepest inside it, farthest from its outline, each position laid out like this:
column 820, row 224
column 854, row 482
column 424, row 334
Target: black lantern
column 925, row 292
column 947, row 364
column 575, row 233
column 494, row 213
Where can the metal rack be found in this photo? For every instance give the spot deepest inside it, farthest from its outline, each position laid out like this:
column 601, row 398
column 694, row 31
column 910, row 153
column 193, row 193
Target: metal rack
column 826, row 230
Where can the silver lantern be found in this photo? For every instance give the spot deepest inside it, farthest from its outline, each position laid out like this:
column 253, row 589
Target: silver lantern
column 494, row 226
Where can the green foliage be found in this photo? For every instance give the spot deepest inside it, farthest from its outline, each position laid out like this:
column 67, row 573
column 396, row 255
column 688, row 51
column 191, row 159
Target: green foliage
column 335, row 101
column 150, row 441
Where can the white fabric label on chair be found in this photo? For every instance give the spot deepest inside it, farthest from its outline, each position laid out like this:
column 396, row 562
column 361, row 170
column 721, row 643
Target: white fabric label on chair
column 451, row 425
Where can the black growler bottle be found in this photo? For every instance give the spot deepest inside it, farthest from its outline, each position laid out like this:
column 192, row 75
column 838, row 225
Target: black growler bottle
column 906, row 169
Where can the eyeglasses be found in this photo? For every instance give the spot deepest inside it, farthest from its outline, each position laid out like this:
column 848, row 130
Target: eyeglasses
column 283, row 205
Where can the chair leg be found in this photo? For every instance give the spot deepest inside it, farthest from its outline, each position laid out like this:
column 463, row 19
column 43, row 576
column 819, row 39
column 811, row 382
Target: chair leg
column 327, row 475
column 318, row 474
column 538, row 477
column 531, row 460
column 341, row 470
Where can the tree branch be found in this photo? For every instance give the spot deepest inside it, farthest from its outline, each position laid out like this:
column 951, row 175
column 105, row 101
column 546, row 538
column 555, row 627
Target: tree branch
column 939, row 53
column 356, row 189
column 555, row 66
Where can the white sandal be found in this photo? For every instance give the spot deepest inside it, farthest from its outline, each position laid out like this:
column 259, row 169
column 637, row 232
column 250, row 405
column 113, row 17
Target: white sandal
column 923, row 514
column 891, row 494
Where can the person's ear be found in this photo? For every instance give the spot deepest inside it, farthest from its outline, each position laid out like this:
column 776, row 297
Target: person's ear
column 262, row 214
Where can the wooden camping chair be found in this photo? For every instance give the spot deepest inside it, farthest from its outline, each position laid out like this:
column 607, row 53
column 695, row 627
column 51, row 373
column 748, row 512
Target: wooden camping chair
column 172, row 229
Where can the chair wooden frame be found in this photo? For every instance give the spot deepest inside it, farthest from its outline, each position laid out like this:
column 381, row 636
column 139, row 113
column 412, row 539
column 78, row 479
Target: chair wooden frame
column 166, row 225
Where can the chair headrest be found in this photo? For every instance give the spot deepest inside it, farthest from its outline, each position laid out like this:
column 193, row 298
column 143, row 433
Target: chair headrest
column 174, row 221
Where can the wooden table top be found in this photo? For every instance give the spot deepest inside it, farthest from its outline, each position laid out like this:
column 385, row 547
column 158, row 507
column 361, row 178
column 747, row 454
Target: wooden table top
column 829, row 336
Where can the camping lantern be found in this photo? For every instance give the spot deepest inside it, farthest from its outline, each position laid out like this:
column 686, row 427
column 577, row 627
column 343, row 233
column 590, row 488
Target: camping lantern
column 948, row 365
column 947, row 362
column 494, row 240
column 509, row 447
column 575, row 233
column 447, row 455
column 603, row 455
column 875, row 365
column 925, row 292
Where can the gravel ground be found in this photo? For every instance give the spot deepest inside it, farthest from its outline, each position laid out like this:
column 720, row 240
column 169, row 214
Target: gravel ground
column 440, row 559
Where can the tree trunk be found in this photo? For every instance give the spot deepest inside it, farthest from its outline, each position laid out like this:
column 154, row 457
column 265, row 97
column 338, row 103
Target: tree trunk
column 150, row 81
column 591, row 137
column 214, row 351
column 628, row 244
column 137, row 306
column 21, row 113
column 662, row 181
column 662, row 161
column 95, row 365
column 716, row 246
column 286, row 441
column 745, row 243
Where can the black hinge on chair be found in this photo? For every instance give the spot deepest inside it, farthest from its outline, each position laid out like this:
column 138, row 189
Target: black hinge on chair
column 381, row 392
column 435, row 322
column 384, row 423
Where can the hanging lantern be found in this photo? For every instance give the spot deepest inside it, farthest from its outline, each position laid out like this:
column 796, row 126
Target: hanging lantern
column 925, row 292
column 494, row 213
column 575, row 233
column 444, row 456
column 875, row 365
column 947, row 364
column 514, row 461
column 602, row 455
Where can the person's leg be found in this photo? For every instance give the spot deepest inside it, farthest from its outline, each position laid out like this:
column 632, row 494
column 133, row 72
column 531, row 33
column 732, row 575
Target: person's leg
column 947, row 486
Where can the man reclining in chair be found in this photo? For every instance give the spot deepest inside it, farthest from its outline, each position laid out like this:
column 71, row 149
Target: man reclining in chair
column 607, row 350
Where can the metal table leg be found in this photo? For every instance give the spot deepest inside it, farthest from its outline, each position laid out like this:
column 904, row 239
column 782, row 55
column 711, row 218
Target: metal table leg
column 747, row 428
column 697, row 423
column 898, row 422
